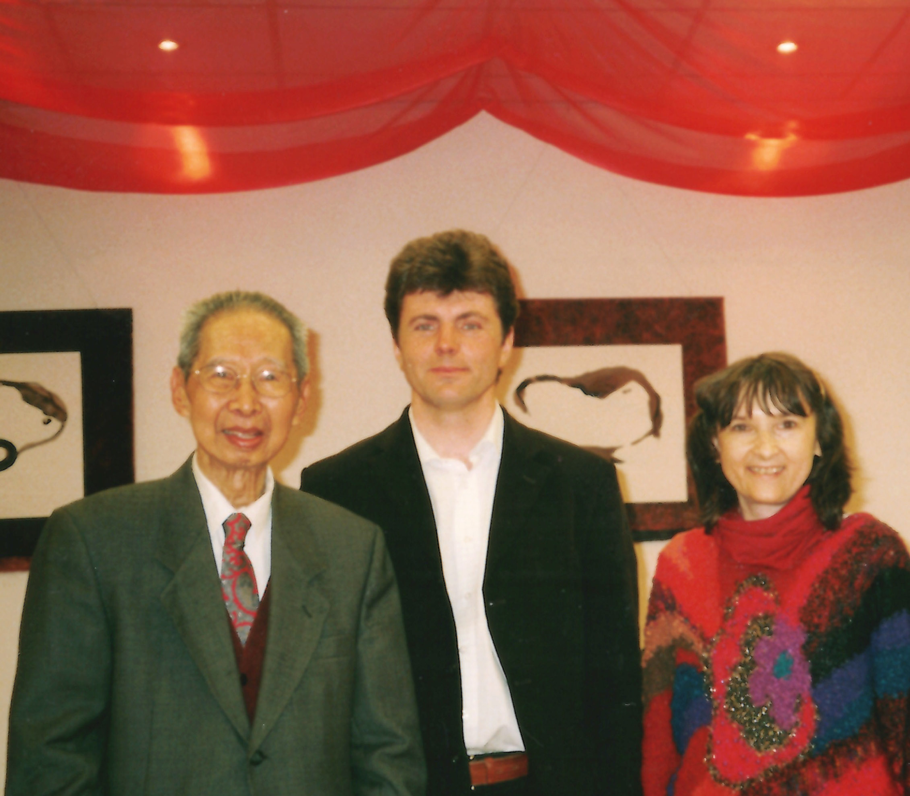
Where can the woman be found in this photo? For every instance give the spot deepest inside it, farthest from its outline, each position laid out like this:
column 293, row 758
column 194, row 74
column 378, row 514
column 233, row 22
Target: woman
column 777, row 647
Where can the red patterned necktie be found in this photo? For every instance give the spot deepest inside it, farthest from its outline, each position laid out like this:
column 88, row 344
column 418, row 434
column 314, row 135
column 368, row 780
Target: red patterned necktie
column 238, row 581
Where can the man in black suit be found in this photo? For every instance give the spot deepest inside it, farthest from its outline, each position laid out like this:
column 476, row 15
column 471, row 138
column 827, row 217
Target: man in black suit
column 511, row 549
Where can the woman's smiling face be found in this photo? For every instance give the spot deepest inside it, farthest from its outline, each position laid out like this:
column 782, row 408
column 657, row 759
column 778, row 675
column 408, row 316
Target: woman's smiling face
column 766, row 456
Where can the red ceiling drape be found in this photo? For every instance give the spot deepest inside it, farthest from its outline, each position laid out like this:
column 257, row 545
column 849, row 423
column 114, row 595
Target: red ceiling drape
column 262, row 93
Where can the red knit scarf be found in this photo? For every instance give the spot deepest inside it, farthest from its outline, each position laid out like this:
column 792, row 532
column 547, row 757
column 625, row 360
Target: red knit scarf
column 780, row 541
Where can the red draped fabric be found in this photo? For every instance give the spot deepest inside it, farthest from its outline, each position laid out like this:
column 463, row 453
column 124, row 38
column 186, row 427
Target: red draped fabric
column 262, row 93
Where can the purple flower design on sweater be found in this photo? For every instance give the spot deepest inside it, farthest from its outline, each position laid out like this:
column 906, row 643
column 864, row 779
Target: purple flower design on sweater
column 781, row 675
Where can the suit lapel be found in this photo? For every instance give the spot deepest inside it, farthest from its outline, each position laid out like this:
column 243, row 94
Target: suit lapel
column 193, row 596
column 400, row 478
column 297, row 613
column 524, row 467
column 400, row 475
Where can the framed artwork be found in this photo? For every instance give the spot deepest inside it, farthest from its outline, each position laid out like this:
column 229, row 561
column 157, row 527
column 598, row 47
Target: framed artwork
column 616, row 376
column 66, row 416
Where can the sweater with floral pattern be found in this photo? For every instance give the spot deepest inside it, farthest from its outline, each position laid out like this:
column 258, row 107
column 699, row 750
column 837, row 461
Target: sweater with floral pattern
column 767, row 682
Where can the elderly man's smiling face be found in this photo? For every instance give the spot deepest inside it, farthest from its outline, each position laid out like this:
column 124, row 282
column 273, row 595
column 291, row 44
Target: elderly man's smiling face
column 240, row 431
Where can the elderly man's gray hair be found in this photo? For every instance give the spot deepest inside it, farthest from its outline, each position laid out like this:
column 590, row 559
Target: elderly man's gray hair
column 196, row 316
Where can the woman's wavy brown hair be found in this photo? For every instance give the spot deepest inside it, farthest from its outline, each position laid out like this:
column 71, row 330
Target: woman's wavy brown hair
column 771, row 381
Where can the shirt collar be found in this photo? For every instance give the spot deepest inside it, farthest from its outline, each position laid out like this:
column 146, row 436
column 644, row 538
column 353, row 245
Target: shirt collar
column 489, row 444
column 218, row 508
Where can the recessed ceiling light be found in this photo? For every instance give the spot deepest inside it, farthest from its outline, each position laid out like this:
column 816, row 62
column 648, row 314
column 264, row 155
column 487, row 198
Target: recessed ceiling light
column 168, row 46
column 787, row 47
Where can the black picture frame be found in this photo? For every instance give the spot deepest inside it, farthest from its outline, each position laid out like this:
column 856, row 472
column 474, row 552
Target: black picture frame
column 104, row 340
column 697, row 324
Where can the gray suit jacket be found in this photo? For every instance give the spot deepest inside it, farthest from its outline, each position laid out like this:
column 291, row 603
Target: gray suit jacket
column 128, row 683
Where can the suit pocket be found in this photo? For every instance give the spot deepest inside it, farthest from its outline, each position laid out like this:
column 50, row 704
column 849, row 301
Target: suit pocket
column 336, row 645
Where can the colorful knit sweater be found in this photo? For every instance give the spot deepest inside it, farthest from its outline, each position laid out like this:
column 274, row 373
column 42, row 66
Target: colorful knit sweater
column 764, row 683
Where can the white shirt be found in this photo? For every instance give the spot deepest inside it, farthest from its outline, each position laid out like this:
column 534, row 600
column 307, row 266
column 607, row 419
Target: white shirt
column 462, row 499
column 258, row 546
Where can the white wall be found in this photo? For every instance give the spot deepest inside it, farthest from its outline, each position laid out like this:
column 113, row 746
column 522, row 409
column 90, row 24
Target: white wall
column 826, row 278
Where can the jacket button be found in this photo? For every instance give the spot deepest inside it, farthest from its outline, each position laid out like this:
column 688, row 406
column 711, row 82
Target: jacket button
column 257, row 758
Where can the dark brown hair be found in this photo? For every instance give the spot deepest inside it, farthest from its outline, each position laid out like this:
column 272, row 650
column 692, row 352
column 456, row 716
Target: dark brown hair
column 446, row 262
column 770, row 381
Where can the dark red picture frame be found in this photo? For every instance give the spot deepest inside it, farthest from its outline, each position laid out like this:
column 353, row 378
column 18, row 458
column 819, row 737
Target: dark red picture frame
column 697, row 324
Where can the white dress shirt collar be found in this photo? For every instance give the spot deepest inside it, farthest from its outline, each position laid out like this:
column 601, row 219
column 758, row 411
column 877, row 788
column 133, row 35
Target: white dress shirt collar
column 490, row 441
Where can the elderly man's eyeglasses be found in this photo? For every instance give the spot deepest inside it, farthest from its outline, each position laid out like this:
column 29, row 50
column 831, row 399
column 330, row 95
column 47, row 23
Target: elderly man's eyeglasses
column 223, row 379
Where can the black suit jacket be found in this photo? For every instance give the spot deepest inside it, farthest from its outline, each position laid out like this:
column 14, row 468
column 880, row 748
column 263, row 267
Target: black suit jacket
column 561, row 595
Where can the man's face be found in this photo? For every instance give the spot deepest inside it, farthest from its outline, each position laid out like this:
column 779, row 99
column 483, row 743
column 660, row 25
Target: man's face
column 241, row 431
column 451, row 349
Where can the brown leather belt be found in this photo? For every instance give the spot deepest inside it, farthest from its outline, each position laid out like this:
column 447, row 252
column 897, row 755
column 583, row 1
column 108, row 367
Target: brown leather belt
column 492, row 769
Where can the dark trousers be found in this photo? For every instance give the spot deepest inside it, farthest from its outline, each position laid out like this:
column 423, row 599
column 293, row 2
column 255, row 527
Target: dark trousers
column 515, row 787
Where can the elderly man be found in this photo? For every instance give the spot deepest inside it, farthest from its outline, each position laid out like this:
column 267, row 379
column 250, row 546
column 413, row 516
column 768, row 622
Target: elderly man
column 514, row 559
column 215, row 632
